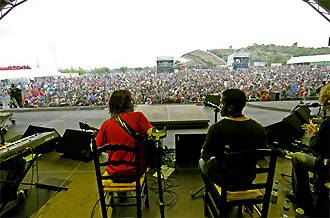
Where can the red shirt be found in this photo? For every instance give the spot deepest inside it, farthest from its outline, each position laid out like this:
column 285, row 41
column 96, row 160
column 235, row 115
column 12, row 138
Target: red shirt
column 112, row 133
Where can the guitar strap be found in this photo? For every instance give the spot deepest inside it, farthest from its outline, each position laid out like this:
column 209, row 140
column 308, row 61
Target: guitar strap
column 137, row 136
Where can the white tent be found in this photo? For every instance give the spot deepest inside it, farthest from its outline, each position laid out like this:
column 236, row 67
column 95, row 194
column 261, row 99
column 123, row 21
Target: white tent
column 309, row 59
column 28, row 73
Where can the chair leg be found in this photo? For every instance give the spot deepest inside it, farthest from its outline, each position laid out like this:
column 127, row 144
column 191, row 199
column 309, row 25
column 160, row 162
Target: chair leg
column 146, row 195
column 239, row 210
column 103, row 205
column 138, row 204
column 249, row 209
column 206, row 210
column 224, row 210
column 112, row 200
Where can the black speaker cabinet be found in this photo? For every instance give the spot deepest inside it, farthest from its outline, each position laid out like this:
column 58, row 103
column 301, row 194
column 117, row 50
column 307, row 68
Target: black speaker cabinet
column 75, row 144
column 304, row 114
column 297, row 118
column 289, row 128
column 187, row 149
column 48, row 146
column 214, row 99
column 280, row 132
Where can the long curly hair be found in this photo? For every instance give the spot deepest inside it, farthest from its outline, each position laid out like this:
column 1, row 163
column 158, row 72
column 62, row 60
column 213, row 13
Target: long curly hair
column 120, row 101
column 325, row 96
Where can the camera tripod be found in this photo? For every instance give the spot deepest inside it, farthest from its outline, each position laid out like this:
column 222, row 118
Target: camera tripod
column 216, row 111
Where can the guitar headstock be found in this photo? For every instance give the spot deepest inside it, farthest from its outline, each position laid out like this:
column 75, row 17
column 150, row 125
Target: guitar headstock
column 86, row 126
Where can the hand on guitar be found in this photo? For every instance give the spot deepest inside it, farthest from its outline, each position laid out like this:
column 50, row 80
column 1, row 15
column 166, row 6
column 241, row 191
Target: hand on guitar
column 310, row 128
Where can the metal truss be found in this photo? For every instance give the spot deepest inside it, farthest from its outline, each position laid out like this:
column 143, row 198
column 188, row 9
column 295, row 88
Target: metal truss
column 322, row 8
column 7, row 5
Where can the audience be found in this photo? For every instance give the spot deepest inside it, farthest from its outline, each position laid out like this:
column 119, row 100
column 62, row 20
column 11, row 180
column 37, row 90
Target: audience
column 184, row 86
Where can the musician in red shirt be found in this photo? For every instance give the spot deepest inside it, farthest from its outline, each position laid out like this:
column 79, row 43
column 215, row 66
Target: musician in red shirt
column 111, row 132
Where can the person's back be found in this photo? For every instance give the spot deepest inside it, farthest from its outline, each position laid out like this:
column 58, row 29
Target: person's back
column 113, row 132
column 237, row 132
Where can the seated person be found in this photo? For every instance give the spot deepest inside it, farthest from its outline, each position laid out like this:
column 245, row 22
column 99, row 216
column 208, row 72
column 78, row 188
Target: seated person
column 10, row 171
column 121, row 105
column 237, row 131
column 303, row 163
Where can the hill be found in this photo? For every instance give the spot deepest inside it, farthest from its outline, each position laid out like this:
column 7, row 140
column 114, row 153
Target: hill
column 271, row 53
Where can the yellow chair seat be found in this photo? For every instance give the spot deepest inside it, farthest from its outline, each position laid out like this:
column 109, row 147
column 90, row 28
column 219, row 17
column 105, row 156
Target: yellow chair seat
column 240, row 195
column 327, row 185
column 111, row 186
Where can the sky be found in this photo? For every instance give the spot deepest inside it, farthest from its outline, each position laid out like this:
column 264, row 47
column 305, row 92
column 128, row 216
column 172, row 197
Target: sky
column 132, row 33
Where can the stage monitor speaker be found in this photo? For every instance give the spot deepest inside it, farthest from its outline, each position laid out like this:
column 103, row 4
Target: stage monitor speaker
column 280, row 132
column 188, row 149
column 75, row 144
column 214, row 99
column 297, row 118
column 47, row 147
column 304, row 113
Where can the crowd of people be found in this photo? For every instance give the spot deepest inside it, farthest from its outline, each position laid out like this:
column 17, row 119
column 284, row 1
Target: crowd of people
column 183, row 86
column 24, row 67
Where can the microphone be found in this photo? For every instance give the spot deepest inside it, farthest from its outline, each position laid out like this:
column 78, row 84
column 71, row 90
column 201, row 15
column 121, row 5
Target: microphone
column 315, row 104
column 213, row 105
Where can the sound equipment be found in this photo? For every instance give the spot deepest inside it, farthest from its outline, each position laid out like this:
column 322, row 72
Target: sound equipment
column 50, row 145
column 275, row 96
column 298, row 117
column 188, row 149
column 214, row 99
column 304, row 113
column 280, row 132
column 289, row 129
column 4, row 117
column 75, row 144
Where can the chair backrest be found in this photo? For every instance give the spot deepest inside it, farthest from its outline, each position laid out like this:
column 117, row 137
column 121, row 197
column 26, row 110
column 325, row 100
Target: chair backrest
column 248, row 164
column 100, row 164
column 265, row 183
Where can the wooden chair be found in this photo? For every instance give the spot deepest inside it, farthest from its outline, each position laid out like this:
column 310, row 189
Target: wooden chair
column 218, row 201
column 106, row 186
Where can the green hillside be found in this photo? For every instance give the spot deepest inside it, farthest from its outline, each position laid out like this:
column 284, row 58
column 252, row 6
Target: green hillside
column 271, row 53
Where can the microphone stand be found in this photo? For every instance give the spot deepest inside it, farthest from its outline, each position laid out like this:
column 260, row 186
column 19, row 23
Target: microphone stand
column 3, row 131
column 216, row 111
column 157, row 136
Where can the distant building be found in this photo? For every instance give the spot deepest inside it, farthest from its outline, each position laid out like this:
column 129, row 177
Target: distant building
column 165, row 64
column 238, row 60
column 312, row 59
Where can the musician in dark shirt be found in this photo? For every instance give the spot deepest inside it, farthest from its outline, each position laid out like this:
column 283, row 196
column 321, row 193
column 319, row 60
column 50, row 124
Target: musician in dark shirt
column 303, row 163
column 235, row 130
